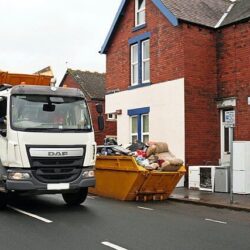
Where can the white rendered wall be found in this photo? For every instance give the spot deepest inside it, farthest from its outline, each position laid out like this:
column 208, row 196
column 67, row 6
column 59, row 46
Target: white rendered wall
column 166, row 116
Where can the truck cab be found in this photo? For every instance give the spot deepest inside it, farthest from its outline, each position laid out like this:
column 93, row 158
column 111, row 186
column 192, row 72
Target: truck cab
column 47, row 143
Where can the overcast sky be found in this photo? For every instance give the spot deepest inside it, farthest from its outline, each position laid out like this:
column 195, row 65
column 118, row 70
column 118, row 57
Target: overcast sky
column 61, row 33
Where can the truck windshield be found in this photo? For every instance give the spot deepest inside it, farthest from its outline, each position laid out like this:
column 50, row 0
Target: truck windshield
column 49, row 113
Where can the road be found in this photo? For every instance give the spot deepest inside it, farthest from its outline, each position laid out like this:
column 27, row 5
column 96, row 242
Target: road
column 45, row 222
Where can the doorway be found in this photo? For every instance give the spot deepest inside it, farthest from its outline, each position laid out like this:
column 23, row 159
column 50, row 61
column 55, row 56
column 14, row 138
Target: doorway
column 225, row 139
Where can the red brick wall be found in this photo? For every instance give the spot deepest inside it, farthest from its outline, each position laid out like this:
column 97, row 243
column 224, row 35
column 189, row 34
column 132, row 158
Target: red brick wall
column 234, row 73
column 109, row 128
column 202, row 142
column 166, row 47
column 213, row 64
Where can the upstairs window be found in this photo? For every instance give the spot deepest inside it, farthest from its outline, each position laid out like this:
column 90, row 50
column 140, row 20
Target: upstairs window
column 145, row 61
column 140, row 63
column 134, row 64
column 139, row 12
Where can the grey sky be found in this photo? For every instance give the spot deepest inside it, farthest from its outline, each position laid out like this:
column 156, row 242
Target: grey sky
column 38, row 33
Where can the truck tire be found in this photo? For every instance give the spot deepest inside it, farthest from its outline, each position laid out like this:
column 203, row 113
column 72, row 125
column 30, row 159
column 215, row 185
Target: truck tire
column 3, row 200
column 76, row 198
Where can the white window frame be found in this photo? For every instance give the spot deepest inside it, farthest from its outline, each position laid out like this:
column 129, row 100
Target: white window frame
column 134, row 63
column 137, row 11
column 131, row 126
column 142, row 132
column 145, row 60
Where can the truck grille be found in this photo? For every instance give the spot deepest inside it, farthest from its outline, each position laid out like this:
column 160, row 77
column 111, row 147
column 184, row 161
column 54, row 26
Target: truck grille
column 56, row 175
column 56, row 169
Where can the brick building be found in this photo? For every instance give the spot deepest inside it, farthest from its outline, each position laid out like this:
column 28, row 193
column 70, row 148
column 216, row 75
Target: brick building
column 174, row 67
column 92, row 85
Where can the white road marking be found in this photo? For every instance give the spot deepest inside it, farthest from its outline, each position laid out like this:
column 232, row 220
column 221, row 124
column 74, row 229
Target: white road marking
column 106, row 243
column 30, row 214
column 146, row 208
column 216, row 221
column 91, row 197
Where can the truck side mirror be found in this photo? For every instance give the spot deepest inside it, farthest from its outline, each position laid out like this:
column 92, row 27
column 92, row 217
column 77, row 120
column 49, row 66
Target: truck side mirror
column 100, row 122
column 99, row 108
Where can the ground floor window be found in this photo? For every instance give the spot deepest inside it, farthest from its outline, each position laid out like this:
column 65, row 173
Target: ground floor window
column 139, row 124
column 145, row 128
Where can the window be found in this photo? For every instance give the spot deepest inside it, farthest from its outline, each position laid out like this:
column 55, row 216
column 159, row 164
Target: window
column 134, row 129
column 140, row 62
column 49, row 113
column 145, row 128
column 134, row 64
column 139, row 12
column 139, row 124
column 145, row 61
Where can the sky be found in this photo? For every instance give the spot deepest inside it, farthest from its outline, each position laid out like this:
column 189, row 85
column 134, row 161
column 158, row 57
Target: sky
column 62, row 34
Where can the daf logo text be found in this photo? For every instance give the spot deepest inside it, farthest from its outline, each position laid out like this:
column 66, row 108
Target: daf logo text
column 57, row 154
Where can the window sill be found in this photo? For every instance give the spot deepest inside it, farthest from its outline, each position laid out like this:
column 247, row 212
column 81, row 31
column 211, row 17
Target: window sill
column 141, row 26
column 141, row 85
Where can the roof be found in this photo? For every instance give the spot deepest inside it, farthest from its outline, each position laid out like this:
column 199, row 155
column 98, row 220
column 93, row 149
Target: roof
column 91, row 83
column 45, row 71
column 203, row 12
column 239, row 12
column 210, row 13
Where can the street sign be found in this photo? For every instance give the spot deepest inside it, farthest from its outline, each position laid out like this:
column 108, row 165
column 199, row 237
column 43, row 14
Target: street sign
column 230, row 118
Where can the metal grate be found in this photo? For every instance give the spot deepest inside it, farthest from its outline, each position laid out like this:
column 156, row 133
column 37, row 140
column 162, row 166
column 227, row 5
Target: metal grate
column 56, row 169
column 56, row 175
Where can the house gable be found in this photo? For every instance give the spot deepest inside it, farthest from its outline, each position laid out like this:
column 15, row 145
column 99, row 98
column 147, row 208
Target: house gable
column 208, row 13
column 172, row 19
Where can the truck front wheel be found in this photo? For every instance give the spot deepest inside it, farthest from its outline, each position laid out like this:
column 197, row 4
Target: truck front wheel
column 3, row 200
column 75, row 198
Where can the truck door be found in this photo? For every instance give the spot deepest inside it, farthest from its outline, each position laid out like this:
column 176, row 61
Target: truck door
column 3, row 129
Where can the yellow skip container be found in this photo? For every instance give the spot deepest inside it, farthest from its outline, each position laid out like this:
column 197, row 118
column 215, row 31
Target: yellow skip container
column 120, row 177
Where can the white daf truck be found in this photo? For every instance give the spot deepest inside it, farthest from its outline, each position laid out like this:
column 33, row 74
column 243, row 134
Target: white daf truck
column 47, row 143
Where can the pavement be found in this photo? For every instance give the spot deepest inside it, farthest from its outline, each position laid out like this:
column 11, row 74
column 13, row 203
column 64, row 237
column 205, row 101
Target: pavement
column 212, row 199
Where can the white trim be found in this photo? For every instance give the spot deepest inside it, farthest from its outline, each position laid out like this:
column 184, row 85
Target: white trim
column 145, row 60
column 142, row 132
column 138, row 11
column 134, row 63
column 225, row 156
column 131, row 127
column 224, row 16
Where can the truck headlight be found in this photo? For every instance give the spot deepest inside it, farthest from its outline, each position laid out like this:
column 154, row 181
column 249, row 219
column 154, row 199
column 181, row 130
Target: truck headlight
column 18, row 176
column 88, row 174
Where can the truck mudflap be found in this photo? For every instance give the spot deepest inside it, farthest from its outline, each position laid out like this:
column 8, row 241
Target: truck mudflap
column 33, row 185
